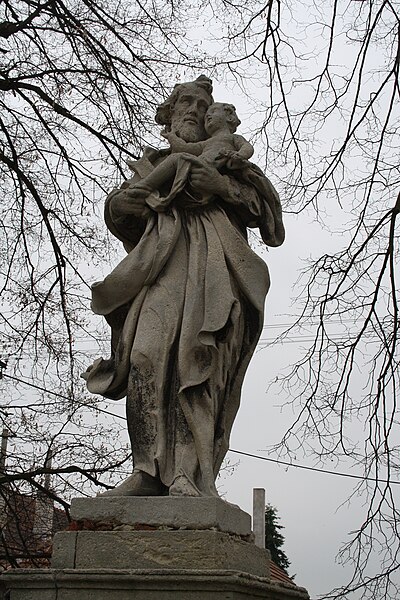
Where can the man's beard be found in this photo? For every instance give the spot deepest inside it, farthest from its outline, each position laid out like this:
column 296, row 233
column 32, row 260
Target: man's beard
column 189, row 132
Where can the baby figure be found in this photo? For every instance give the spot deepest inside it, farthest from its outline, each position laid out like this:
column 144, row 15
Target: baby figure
column 222, row 147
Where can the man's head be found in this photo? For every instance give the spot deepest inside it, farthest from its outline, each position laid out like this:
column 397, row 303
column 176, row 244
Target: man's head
column 183, row 112
column 221, row 115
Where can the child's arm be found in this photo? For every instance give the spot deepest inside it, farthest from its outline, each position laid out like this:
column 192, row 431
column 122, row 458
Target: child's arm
column 179, row 145
column 243, row 148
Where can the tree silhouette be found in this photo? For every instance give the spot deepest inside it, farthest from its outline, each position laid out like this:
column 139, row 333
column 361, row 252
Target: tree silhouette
column 79, row 82
column 331, row 137
column 274, row 540
column 79, row 85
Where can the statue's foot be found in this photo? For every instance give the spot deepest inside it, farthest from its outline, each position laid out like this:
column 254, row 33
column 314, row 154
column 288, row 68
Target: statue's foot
column 137, row 484
column 182, row 486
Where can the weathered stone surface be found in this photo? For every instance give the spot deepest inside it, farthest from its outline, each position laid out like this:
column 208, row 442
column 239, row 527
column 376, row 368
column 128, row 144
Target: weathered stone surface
column 177, row 512
column 159, row 549
column 145, row 585
column 64, row 550
column 186, row 304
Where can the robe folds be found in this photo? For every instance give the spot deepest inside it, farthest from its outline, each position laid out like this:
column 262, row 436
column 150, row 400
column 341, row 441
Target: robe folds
column 185, row 307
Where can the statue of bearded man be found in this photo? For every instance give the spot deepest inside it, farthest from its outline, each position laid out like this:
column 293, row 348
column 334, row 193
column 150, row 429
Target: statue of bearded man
column 185, row 307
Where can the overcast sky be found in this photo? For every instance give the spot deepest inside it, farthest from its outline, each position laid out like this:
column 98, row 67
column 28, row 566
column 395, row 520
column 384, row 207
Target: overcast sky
column 307, row 502
column 312, row 505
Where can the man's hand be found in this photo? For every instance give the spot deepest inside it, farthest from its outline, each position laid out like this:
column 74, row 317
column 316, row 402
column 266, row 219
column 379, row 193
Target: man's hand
column 132, row 201
column 205, row 178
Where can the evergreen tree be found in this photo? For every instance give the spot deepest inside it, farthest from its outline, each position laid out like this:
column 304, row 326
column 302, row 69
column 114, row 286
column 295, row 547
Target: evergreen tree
column 274, row 540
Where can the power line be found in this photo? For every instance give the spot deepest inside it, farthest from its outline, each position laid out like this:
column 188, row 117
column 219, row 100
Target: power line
column 263, row 342
column 43, row 389
column 288, row 325
column 307, row 468
column 248, row 454
column 283, row 326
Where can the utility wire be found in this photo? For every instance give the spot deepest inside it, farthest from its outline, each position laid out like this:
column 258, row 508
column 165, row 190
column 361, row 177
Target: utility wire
column 262, row 343
column 265, row 458
column 306, row 468
column 42, row 389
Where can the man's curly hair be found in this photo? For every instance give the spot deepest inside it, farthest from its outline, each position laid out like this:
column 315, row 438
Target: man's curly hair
column 163, row 114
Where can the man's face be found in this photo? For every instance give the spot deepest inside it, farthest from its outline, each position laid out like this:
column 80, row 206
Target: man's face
column 187, row 117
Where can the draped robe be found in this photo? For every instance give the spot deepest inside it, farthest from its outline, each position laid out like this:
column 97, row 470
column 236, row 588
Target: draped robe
column 185, row 307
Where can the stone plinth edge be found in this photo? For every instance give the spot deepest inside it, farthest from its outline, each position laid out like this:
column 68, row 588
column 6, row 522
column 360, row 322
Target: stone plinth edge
column 106, row 584
column 164, row 511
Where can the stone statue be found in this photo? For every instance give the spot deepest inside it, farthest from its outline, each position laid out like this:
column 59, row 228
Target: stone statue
column 223, row 147
column 185, row 305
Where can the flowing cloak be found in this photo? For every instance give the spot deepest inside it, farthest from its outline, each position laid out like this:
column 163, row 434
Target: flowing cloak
column 186, row 307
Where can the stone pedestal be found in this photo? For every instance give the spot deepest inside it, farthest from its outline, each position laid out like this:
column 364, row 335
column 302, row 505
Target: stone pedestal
column 164, row 511
column 153, row 549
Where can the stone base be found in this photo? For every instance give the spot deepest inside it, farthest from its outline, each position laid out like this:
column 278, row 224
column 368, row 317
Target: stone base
column 159, row 533
column 153, row 549
column 158, row 550
column 164, row 511
column 144, row 585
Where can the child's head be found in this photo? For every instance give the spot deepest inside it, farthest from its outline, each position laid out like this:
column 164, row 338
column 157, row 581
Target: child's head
column 220, row 114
